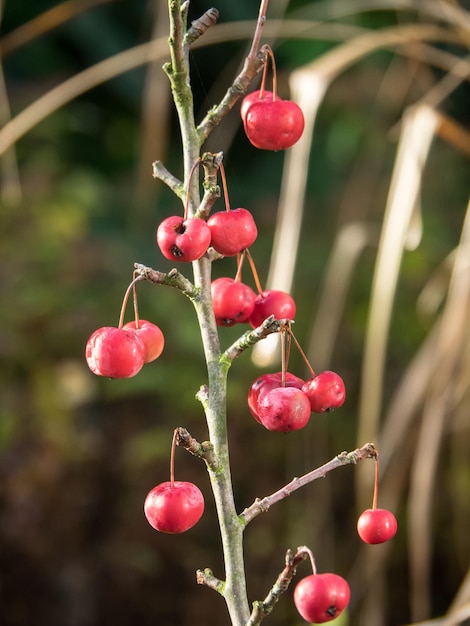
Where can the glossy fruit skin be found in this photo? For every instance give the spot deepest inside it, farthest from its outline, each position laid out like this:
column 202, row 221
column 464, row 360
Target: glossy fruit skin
column 272, row 302
column 232, row 301
column 174, row 508
column 266, row 382
column 320, row 598
column 253, row 98
column 376, row 526
column 114, row 352
column 151, row 336
column 326, row 391
column 232, row 231
column 274, row 125
column 183, row 240
column 283, row 409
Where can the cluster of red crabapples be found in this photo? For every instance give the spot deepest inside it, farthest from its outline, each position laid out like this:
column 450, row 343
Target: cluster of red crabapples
column 283, row 402
column 271, row 123
column 121, row 351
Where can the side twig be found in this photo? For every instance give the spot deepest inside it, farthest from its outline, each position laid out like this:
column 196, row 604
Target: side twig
column 173, row 278
column 263, row 608
column 368, row 451
column 251, row 337
column 204, row 450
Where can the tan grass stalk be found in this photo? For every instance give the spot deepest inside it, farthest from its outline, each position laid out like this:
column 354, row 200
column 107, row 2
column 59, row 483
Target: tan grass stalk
column 436, row 411
column 157, row 50
column 419, row 125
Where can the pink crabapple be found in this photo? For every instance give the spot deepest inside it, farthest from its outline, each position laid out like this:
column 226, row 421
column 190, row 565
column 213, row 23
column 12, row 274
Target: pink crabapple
column 151, row 336
column 325, row 391
column 283, row 409
column 254, row 97
column 174, row 507
column 376, row 526
column 272, row 302
column 266, row 382
column 115, row 352
column 232, row 231
column 274, row 124
column 232, row 301
column 321, row 598
column 182, row 239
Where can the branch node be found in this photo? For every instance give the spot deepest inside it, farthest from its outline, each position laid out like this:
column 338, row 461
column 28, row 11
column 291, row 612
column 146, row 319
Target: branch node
column 206, row 577
column 204, row 450
column 199, row 26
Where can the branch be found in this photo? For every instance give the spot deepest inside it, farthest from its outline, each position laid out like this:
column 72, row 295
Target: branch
column 263, row 608
column 253, row 64
column 368, row 451
column 173, row 278
column 251, row 337
column 199, row 26
column 211, row 164
column 206, row 577
column 204, row 450
column 159, row 171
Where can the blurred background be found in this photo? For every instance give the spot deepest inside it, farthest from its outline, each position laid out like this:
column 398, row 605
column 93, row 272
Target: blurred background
column 370, row 210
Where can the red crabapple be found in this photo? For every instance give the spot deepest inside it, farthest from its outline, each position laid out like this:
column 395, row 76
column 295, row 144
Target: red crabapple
column 182, row 239
column 272, row 302
column 321, row 598
column 232, row 301
column 274, row 124
column 115, row 352
column 376, row 526
column 283, row 409
column 232, row 231
column 266, row 382
column 151, row 336
column 325, row 391
column 254, row 97
column 174, row 507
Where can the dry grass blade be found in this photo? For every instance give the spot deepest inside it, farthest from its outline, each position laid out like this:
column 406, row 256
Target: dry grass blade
column 157, row 50
column 156, row 97
column 44, row 23
column 436, row 410
column 350, row 242
column 419, row 125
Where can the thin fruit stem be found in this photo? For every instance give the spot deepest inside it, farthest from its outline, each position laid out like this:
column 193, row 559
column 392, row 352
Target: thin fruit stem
column 283, row 358
column 186, row 206
column 304, row 356
column 126, row 298
column 135, row 303
column 376, row 483
column 301, row 552
column 240, row 259
column 172, row 457
column 224, row 185
column 263, row 79
column 254, row 272
column 266, row 48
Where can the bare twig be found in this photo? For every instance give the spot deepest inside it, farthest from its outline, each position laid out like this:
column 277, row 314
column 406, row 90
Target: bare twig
column 173, row 278
column 253, row 64
column 251, row 337
column 206, row 577
column 199, row 26
column 368, row 451
column 263, row 608
column 177, row 187
column 204, row 450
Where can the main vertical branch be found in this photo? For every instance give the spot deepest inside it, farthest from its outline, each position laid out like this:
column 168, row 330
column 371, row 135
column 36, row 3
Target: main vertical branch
column 231, row 528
